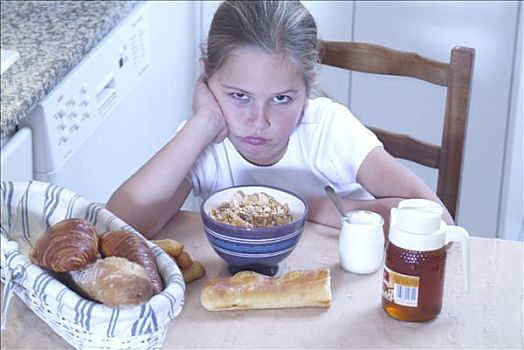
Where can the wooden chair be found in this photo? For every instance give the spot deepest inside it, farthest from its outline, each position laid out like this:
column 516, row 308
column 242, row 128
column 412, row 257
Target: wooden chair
column 455, row 75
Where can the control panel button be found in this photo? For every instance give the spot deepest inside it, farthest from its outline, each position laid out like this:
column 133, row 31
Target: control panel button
column 62, row 112
column 73, row 114
column 85, row 101
column 73, row 128
column 62, row 140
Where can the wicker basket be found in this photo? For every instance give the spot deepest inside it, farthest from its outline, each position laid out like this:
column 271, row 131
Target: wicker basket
column 28, row 209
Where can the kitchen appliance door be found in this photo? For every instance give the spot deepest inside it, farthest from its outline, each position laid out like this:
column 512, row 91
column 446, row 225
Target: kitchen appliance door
column 146, row 119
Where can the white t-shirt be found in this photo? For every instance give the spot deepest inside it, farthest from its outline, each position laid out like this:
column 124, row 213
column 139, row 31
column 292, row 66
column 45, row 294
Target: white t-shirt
column 327, row 147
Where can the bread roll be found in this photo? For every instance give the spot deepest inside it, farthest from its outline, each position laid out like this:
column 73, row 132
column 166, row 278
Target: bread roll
column 66, row 246
column 184, row 260
column 251, row 290
column 172, row 247
column 193, row 272
column 114, row 281
column 134, row 248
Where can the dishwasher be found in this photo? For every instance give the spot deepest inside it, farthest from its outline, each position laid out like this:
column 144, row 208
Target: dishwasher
column 120, row 105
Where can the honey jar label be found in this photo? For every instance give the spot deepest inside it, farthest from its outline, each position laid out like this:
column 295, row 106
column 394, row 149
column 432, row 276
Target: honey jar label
column 400, row 289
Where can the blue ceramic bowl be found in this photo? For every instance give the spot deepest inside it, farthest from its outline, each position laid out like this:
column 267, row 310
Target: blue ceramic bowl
column 254, row 249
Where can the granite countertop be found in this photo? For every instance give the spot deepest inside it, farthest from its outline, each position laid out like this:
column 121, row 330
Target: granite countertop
column 51, row 37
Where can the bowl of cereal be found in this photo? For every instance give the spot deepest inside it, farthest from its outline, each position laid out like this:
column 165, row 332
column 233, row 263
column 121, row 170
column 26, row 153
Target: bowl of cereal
column 253, row 227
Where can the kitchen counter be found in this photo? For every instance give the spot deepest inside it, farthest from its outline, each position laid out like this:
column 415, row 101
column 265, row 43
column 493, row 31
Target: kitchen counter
column 489, row 316
column 52, row 37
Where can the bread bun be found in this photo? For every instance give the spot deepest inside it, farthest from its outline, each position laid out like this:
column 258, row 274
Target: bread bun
column 193, row 272
column 66, row 246
column 114, row 281
column 134, row 248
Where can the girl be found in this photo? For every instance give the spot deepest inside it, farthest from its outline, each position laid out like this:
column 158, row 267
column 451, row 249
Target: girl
column 253, row 123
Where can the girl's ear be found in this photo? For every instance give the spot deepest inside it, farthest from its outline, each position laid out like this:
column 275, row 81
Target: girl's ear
column 303, row 111
column 202, row 64
column 306, row 102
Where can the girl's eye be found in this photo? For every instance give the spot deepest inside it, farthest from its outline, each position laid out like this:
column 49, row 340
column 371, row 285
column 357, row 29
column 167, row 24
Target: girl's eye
column 240, row 96
column 282, row 99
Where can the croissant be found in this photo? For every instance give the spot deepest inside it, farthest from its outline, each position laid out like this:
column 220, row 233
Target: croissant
column 66, row 246
column 132, row 247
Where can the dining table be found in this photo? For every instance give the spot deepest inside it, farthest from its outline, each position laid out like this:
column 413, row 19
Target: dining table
column 489, row 315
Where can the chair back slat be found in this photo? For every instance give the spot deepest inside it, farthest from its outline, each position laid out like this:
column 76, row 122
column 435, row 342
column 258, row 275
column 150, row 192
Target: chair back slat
column 406, row 147
column 376, row 59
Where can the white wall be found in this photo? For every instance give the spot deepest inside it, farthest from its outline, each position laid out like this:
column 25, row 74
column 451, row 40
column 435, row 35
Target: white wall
column 511, row 223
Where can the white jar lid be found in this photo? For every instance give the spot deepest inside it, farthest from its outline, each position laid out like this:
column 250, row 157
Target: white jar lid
column 417, row 225
column 417, row 221
column 365, row 217
column 418, row 216
column 421, row 204
column 418, row 242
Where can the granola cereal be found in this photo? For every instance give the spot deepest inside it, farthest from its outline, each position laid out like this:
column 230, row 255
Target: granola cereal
column 252, row 210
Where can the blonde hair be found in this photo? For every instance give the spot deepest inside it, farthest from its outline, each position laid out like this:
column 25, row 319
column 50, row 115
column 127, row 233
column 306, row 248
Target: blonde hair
column 280, row 27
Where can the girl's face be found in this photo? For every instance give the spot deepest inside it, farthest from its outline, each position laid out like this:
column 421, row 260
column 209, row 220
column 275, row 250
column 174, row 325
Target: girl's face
column 262, row 97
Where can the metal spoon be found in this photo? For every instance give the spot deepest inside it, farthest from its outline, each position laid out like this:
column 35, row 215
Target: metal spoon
column 333, row 196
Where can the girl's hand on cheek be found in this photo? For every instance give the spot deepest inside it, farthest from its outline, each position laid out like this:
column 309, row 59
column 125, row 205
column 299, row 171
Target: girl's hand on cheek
column 207, row 110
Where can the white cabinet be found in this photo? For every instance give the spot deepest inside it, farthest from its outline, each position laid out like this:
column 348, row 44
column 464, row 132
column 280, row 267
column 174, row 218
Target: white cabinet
column 16, row 157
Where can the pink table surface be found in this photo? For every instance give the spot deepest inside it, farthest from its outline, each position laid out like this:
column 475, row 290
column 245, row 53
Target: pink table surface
column 490, row 315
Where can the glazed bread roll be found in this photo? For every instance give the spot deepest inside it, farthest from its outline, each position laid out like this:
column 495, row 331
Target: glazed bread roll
column 184, row 260
column 172, row 247
column 193, row 272
column 66, row 246
column 251, row 290
column 114, row 281
column 134, row 248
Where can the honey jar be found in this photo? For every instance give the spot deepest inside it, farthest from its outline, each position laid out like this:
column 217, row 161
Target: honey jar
column 415, row 260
